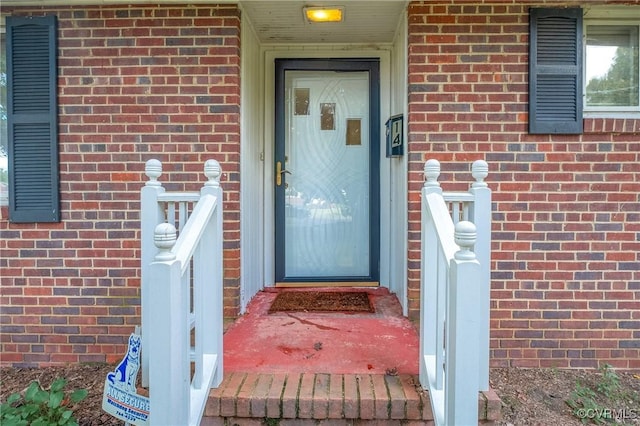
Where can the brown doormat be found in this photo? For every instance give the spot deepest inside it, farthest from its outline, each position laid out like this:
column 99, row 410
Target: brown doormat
column 321, row 301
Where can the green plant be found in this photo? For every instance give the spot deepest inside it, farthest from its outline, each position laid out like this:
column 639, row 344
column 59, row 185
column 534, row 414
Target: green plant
column 40, row 407
column 583, row 400
column 594, row 405
column 609, row 384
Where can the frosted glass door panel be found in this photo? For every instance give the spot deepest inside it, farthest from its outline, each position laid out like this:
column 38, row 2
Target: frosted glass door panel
column 327, row 218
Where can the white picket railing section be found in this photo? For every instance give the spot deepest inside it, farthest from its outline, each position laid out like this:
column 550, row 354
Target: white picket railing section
column 182, row 317
column 455, row 295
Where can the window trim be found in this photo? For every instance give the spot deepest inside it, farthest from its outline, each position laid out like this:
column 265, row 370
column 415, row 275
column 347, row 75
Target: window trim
column 606, row 111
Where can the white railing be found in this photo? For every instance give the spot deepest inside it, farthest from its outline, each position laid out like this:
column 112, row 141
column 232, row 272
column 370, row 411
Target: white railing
column 181, row 279
column 455, row 294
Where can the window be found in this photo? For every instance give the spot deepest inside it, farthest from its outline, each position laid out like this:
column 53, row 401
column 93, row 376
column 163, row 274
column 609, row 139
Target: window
column 612, row 71
column 568, row 73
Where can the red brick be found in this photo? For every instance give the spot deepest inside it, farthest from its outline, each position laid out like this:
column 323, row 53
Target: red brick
column 259, row 396
column 274, row 396
column 396, row 396
column 243, row 398
column 382, row 402
column 336, row 395
column 493, row 405
column 228, row 395
column 321, row 396
column 290, row 396
column 305, row 396
column 425, row 404
column 351, row 400
column 367, row 398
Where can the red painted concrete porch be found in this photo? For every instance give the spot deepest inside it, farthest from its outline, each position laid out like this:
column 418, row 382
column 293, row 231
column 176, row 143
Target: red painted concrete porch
column 306, row 368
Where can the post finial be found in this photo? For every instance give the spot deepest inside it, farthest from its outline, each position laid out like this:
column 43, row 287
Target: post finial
column 465, row 237
column 213, row 172
column 431, row 172
column 164, row 237
column 479, row 171
column 153, row 170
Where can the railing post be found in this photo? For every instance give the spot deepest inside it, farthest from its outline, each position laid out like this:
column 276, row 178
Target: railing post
column 151, row 214
column 461, row 386
column 213, row 293
column 429, row 265
column 481, row 214
column 168, row 335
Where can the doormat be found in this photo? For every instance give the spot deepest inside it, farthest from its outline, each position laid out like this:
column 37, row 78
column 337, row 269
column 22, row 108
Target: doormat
column 321, row 301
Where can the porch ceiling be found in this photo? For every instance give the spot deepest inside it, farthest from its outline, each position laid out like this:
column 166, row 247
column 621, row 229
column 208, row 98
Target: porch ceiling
column 365, row 21
column 282, row 22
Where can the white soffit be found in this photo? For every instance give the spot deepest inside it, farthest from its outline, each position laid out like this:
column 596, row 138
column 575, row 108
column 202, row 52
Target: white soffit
column 282, row 21
column 365, row 22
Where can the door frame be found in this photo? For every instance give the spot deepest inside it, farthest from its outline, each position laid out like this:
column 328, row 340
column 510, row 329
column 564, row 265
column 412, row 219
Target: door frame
column 270, row 54
column 372, row 66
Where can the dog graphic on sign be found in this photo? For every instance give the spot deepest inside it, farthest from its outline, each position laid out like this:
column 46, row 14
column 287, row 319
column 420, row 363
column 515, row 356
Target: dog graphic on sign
column 119, row 397
column 125, row 374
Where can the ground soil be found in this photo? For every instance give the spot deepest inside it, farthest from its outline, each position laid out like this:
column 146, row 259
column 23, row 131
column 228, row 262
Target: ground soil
column 539, row 396
column 529, row 396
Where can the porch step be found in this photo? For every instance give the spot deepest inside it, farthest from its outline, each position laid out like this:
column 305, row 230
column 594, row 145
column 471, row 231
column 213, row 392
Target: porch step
column 307, row 398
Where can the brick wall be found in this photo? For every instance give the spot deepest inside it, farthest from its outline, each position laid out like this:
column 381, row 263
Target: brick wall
column 566, row 233
column 134, row 83
column 162, row 82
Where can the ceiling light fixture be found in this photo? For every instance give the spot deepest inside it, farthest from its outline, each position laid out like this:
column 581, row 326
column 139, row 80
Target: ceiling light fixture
column 324, row 14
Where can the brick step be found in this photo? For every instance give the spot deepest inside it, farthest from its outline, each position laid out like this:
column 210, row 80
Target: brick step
column 306, row 398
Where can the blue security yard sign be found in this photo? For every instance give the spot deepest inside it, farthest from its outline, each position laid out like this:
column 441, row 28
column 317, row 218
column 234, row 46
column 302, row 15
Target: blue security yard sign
column 120, row 398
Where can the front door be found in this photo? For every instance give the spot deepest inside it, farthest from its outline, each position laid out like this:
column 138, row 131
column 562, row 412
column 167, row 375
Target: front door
column 327, row 171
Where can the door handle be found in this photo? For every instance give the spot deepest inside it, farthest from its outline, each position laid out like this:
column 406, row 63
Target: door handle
column 279, row 172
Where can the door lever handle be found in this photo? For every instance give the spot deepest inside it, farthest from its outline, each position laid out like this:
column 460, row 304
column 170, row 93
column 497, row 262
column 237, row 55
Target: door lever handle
column 279, row 172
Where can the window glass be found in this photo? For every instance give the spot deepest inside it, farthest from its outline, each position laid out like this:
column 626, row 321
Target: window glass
column 4, row 163
column 612, row 70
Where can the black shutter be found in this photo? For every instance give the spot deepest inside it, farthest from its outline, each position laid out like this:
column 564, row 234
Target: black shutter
column 32, row 119
column 555, row 71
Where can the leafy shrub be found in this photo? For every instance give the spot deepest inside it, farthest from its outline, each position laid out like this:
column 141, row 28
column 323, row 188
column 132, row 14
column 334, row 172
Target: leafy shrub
column 39, row 407
column 604, row 401
column 609, row 384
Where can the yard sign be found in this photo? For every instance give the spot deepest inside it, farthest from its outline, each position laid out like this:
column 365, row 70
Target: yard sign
column 120, row 398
